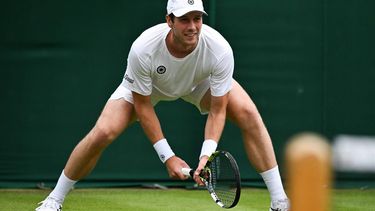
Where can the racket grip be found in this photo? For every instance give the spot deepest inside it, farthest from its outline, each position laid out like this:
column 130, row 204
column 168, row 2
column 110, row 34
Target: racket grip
column 188, row 172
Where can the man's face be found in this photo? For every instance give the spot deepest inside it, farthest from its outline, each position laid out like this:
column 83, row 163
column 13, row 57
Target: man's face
column 186, row 29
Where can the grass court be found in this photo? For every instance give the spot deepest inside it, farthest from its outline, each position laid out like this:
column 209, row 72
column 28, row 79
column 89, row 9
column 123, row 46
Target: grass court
column 168, row 200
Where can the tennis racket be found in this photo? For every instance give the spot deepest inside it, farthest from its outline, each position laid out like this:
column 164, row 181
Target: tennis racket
column 222, row 178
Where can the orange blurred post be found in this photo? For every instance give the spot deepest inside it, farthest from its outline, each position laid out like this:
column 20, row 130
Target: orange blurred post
column 308, row 162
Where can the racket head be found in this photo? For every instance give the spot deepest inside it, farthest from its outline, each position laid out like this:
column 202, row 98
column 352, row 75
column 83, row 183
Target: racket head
column 223, row 179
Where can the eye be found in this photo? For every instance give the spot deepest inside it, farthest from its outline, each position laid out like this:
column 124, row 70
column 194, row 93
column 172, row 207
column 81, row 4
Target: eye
column 183, row 19
column 198, row 18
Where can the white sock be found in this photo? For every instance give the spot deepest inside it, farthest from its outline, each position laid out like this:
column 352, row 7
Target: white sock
column 62, row 188
column 274, row 185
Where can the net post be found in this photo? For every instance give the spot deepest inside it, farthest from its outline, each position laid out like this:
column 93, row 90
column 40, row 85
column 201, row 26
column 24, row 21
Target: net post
column 309, row 172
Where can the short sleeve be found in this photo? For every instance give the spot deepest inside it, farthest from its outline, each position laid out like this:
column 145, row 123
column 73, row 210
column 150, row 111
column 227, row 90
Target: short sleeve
column 222, row 75
column 137, row 76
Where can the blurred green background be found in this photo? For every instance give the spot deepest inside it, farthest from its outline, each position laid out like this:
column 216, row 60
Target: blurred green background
column 308, row 65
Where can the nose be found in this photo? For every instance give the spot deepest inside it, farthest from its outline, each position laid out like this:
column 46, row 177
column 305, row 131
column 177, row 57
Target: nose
column 191, row 25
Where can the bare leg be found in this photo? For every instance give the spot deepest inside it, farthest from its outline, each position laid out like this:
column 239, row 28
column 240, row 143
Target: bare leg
column 115, row 117
column 243, row 112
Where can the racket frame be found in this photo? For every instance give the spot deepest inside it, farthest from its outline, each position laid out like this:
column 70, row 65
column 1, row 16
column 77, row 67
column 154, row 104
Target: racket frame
column 208, row 184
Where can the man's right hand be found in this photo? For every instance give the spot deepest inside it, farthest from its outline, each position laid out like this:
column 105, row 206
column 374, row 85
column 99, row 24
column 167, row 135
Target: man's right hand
column 199, row 169
column 174, row 165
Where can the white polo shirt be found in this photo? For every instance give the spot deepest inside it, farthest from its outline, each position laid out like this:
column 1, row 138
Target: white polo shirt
column 152, row 70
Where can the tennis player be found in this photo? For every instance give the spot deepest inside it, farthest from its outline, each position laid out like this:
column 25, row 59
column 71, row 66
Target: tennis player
column 182, row 58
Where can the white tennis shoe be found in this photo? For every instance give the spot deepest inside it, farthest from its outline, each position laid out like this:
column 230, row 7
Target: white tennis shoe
column 280, row 205
column 49, row 204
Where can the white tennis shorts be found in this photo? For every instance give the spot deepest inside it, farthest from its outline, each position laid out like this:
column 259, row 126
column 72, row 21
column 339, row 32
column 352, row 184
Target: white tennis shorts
column 194, row 97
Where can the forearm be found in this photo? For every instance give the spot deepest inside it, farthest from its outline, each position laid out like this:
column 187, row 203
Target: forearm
column 216, row 118
column 151, row 126
column 148, row 118
column 213, row 130
column 214, row 126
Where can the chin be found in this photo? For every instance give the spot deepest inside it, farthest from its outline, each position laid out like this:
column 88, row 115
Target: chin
column 192, row 41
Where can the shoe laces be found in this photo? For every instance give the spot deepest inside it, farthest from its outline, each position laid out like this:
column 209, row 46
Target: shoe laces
column 51, row 203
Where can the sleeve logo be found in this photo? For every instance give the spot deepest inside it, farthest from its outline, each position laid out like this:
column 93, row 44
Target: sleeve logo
column 128, row 79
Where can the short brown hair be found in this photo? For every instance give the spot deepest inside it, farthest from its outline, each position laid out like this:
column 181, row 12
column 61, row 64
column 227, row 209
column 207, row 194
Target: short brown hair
column 172, row 16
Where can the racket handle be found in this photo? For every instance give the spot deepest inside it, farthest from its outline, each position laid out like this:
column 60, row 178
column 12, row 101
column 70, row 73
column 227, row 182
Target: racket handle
column 187, row 172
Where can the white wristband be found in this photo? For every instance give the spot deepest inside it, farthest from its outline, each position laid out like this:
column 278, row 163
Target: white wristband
column 209, row 146
column 163, row 149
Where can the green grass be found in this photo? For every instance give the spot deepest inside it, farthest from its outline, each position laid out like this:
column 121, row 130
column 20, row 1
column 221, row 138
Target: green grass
column 171, row 199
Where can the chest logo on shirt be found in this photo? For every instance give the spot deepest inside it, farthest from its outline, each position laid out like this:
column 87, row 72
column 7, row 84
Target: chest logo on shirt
column 191, row 2
column 161, row 69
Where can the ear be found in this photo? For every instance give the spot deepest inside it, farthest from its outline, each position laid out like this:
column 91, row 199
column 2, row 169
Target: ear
column 169, row 21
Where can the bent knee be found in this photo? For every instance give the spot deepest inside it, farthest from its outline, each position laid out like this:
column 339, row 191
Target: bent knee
column 101, row 136
column 247, row 118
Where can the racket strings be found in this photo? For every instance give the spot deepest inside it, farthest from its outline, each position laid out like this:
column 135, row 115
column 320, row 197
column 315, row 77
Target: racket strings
column 223, row 180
